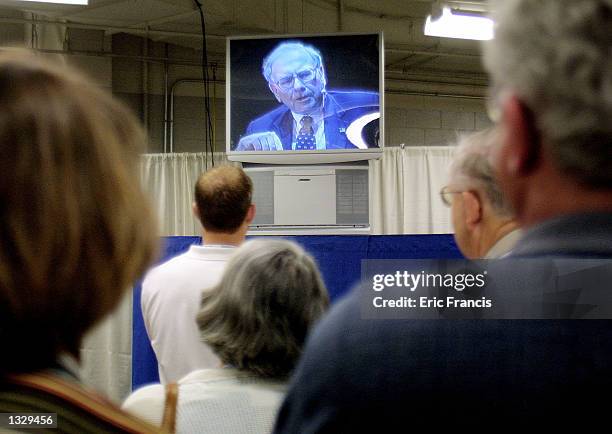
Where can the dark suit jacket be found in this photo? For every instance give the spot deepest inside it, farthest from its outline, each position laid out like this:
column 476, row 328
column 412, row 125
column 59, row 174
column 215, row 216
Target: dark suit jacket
column 360, row 375
column 341, row 108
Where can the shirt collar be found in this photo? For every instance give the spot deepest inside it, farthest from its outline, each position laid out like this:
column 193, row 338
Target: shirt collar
column 211, row 251
column 221, row 374
column 504, row 245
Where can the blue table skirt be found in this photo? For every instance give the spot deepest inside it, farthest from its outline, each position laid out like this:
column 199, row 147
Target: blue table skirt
column 339, row 259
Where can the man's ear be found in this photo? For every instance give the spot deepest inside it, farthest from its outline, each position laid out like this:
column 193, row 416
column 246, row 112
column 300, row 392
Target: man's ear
column 522, row 140
column 250, row 215
column 274, row 91
column 472, row 209
column 194, row 209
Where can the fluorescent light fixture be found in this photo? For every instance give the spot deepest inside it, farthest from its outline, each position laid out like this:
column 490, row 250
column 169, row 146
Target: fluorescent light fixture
column 456, row 25
column 63, row 2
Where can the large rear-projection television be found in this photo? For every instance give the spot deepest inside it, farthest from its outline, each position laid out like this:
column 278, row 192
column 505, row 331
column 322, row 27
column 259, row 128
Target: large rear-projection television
column 305, row 99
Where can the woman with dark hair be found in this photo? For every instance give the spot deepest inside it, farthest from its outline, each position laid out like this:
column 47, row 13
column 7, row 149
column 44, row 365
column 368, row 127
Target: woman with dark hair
column 256, row 320
column 76, row 232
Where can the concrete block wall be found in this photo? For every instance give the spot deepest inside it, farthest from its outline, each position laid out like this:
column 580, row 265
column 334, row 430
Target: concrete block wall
column 431, row 121
column 189, row 122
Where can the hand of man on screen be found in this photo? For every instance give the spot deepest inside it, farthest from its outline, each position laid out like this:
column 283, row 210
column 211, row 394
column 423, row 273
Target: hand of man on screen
column 267, row 141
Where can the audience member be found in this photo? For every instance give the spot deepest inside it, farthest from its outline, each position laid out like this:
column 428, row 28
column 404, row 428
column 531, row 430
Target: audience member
column 483, row 222
column 550, row 62
column 76, row 232
column 256, row 320
column 171, row 292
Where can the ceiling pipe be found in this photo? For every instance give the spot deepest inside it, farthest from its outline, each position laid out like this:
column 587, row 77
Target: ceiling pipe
column 142, row 32
column 166, row 73
column 150, row 59
column 220, row 64
column 145, row 86
column 396, row 49
column 145, row 32
column 418, row 76
column 433, row 94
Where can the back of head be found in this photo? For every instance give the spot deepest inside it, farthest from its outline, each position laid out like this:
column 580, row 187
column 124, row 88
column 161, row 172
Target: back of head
column 258, row 317
column 76, row 228
column 471, row 169
column 555, row 56
column 223, row 197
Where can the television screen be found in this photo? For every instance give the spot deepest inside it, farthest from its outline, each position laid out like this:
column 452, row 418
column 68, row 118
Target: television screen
column 314, row 95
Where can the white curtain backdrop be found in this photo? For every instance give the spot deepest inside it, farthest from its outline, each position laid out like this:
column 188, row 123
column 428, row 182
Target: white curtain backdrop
column 170, row 179
column 404, row 191
column 404, row 199
column 404, row 187
column 106, row 354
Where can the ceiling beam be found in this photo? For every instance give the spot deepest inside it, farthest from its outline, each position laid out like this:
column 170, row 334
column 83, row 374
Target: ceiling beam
column 157, row 21
column 92, row 8
column 399, row 61
column 401, row 49
column 168, row 18
column 141, row 32
column 393, row 48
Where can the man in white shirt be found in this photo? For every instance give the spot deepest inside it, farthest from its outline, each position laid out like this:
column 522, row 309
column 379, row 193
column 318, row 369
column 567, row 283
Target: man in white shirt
column 172, row 291
column 484, row 224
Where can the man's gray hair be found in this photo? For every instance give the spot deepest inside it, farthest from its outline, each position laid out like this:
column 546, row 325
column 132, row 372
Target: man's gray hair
column 257, row 318
column 471, row 168
column 284, row 48
column 556, row 56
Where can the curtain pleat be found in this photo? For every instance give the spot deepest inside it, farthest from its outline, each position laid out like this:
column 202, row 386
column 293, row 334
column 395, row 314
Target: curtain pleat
column 404, row 187
column 404, row 191
column 169, row 179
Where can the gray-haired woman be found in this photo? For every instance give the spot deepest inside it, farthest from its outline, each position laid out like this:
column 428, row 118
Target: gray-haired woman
column 256, row 320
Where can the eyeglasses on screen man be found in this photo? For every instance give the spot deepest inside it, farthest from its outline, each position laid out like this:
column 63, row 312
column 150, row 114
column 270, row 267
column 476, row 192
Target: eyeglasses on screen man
column 305, row 76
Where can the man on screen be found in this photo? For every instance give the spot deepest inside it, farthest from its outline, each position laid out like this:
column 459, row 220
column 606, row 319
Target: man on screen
column 310, row 117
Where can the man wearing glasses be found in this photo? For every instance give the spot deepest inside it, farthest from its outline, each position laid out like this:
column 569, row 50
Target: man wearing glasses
column 310, row 117
column 483, row 222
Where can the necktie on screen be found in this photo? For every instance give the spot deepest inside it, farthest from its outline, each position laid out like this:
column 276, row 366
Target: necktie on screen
column 306, row 138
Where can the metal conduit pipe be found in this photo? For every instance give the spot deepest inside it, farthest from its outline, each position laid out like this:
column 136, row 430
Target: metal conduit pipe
column 188, row 62
column 132, row 30
column 172, row 94
column 433, row 94
column 150, row 59
column 166, row 66
column 145, row 86
column 144, row 32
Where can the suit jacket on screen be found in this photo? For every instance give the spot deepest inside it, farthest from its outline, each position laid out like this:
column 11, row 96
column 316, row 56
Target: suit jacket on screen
column 341, row 108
